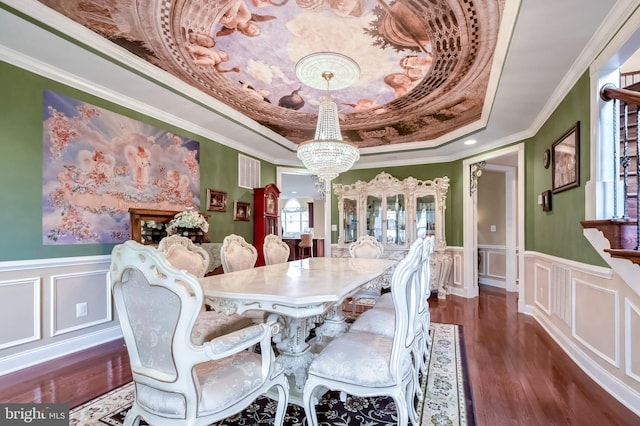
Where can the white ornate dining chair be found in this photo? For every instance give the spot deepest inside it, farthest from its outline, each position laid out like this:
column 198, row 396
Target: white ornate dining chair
column 367, row 364
column 275, row 250
column 381, row 321
column 366, row 247
column 176, row 381
column 236, row 254
column 182, row 253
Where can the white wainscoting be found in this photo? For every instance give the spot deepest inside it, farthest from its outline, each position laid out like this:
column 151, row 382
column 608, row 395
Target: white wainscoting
column 39, row 299
column 18, row 301
column 456, row 279
column 492, row 268
column 593, row 315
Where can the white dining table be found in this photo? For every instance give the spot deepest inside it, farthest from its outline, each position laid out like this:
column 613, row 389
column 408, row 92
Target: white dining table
column 301, row 293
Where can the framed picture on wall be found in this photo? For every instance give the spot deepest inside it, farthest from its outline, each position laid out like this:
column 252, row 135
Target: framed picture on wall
column 241, row 211
column 565, row 160
column 216, row 200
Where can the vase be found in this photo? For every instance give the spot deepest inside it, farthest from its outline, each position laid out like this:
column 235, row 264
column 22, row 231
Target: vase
column 194, row 234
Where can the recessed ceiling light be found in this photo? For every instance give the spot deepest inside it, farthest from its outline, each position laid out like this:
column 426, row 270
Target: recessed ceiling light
column 470, row 141
column 294, row 192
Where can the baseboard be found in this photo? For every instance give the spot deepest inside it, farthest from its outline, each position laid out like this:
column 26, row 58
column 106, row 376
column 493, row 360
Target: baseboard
column 615, row 387
column 493, row 283
column 41, row 354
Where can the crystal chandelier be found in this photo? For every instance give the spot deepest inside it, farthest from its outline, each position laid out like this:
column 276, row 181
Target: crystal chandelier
column 327, row 155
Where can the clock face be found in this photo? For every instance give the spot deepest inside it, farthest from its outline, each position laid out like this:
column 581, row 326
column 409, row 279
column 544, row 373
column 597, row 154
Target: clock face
column 546, row 159
column 271, row 204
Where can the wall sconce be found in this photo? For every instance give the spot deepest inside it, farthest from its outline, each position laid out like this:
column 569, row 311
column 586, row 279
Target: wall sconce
column 475, row 173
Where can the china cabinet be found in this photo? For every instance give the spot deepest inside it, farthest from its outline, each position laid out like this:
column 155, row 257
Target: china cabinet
column 265, row 219
column 396, row 212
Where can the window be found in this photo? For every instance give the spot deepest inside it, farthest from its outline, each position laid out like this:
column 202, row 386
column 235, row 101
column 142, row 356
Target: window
column 619, row 58
column 295, row 219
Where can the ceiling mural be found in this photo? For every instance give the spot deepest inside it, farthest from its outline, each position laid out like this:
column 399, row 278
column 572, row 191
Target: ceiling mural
column 424, row 64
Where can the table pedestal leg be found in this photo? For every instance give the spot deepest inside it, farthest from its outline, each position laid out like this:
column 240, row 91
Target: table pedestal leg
column 334, row 324
column 294, row 353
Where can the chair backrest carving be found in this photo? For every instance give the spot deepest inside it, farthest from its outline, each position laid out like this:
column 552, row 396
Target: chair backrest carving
column 367, row 247
column 275, row 250
column 236, row 254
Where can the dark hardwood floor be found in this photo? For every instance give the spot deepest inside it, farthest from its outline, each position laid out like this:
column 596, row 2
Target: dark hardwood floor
column 519, row 375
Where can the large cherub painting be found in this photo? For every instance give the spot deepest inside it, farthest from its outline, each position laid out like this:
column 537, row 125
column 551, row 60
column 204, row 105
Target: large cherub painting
column 97, row 164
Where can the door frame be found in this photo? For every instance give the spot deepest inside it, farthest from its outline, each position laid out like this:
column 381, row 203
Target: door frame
column 515, row 226
column 326, row 222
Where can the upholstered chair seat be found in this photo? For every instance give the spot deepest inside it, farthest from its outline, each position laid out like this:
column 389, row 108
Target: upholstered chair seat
column 361, row 358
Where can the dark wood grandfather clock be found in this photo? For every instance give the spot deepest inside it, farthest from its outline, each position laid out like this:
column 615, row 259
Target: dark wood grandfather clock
column 265, row 216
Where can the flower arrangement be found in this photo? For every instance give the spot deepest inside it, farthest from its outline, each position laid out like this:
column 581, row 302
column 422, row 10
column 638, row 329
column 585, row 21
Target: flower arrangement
column 187, row 219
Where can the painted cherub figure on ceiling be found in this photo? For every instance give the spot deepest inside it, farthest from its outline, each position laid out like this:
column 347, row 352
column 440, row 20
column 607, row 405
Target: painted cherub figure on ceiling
column 239, row 18
column 204, row 54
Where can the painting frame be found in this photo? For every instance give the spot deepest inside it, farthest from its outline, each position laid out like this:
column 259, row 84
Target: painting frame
column 565, row 160
column 241, row 211
column 216, row 200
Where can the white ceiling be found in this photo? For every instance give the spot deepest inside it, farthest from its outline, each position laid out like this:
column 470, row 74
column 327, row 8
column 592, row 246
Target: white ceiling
column 553, row 43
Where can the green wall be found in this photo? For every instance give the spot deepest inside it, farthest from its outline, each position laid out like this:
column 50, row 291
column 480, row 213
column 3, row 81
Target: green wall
column 453, row 212
column 21, row 170
column 558, row 232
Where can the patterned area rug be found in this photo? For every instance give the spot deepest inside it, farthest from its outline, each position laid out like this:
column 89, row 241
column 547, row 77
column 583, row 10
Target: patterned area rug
column 448, row 399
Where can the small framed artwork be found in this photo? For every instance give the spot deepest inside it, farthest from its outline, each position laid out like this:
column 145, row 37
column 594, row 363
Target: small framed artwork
column 216, row 200
column 546, row 201
column 565, row 160
column 241, row 211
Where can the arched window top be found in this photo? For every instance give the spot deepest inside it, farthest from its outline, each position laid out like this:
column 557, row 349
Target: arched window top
column 293, row 205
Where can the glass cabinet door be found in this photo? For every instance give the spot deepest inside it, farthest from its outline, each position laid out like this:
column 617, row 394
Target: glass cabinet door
column 350, row 217
column 425, row 216
column 395, row 230
column 374, row 217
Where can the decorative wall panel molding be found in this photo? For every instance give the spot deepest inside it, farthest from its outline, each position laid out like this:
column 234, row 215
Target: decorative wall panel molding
column 20, row 306
column 542, row 283
column 631, row 333
column 596, row 323
column 79, row 300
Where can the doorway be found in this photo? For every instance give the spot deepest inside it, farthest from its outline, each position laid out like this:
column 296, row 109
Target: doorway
column 299, row 183
column 510, row 163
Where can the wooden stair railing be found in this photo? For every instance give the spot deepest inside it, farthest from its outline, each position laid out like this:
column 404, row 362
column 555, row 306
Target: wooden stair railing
column 623, row 232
